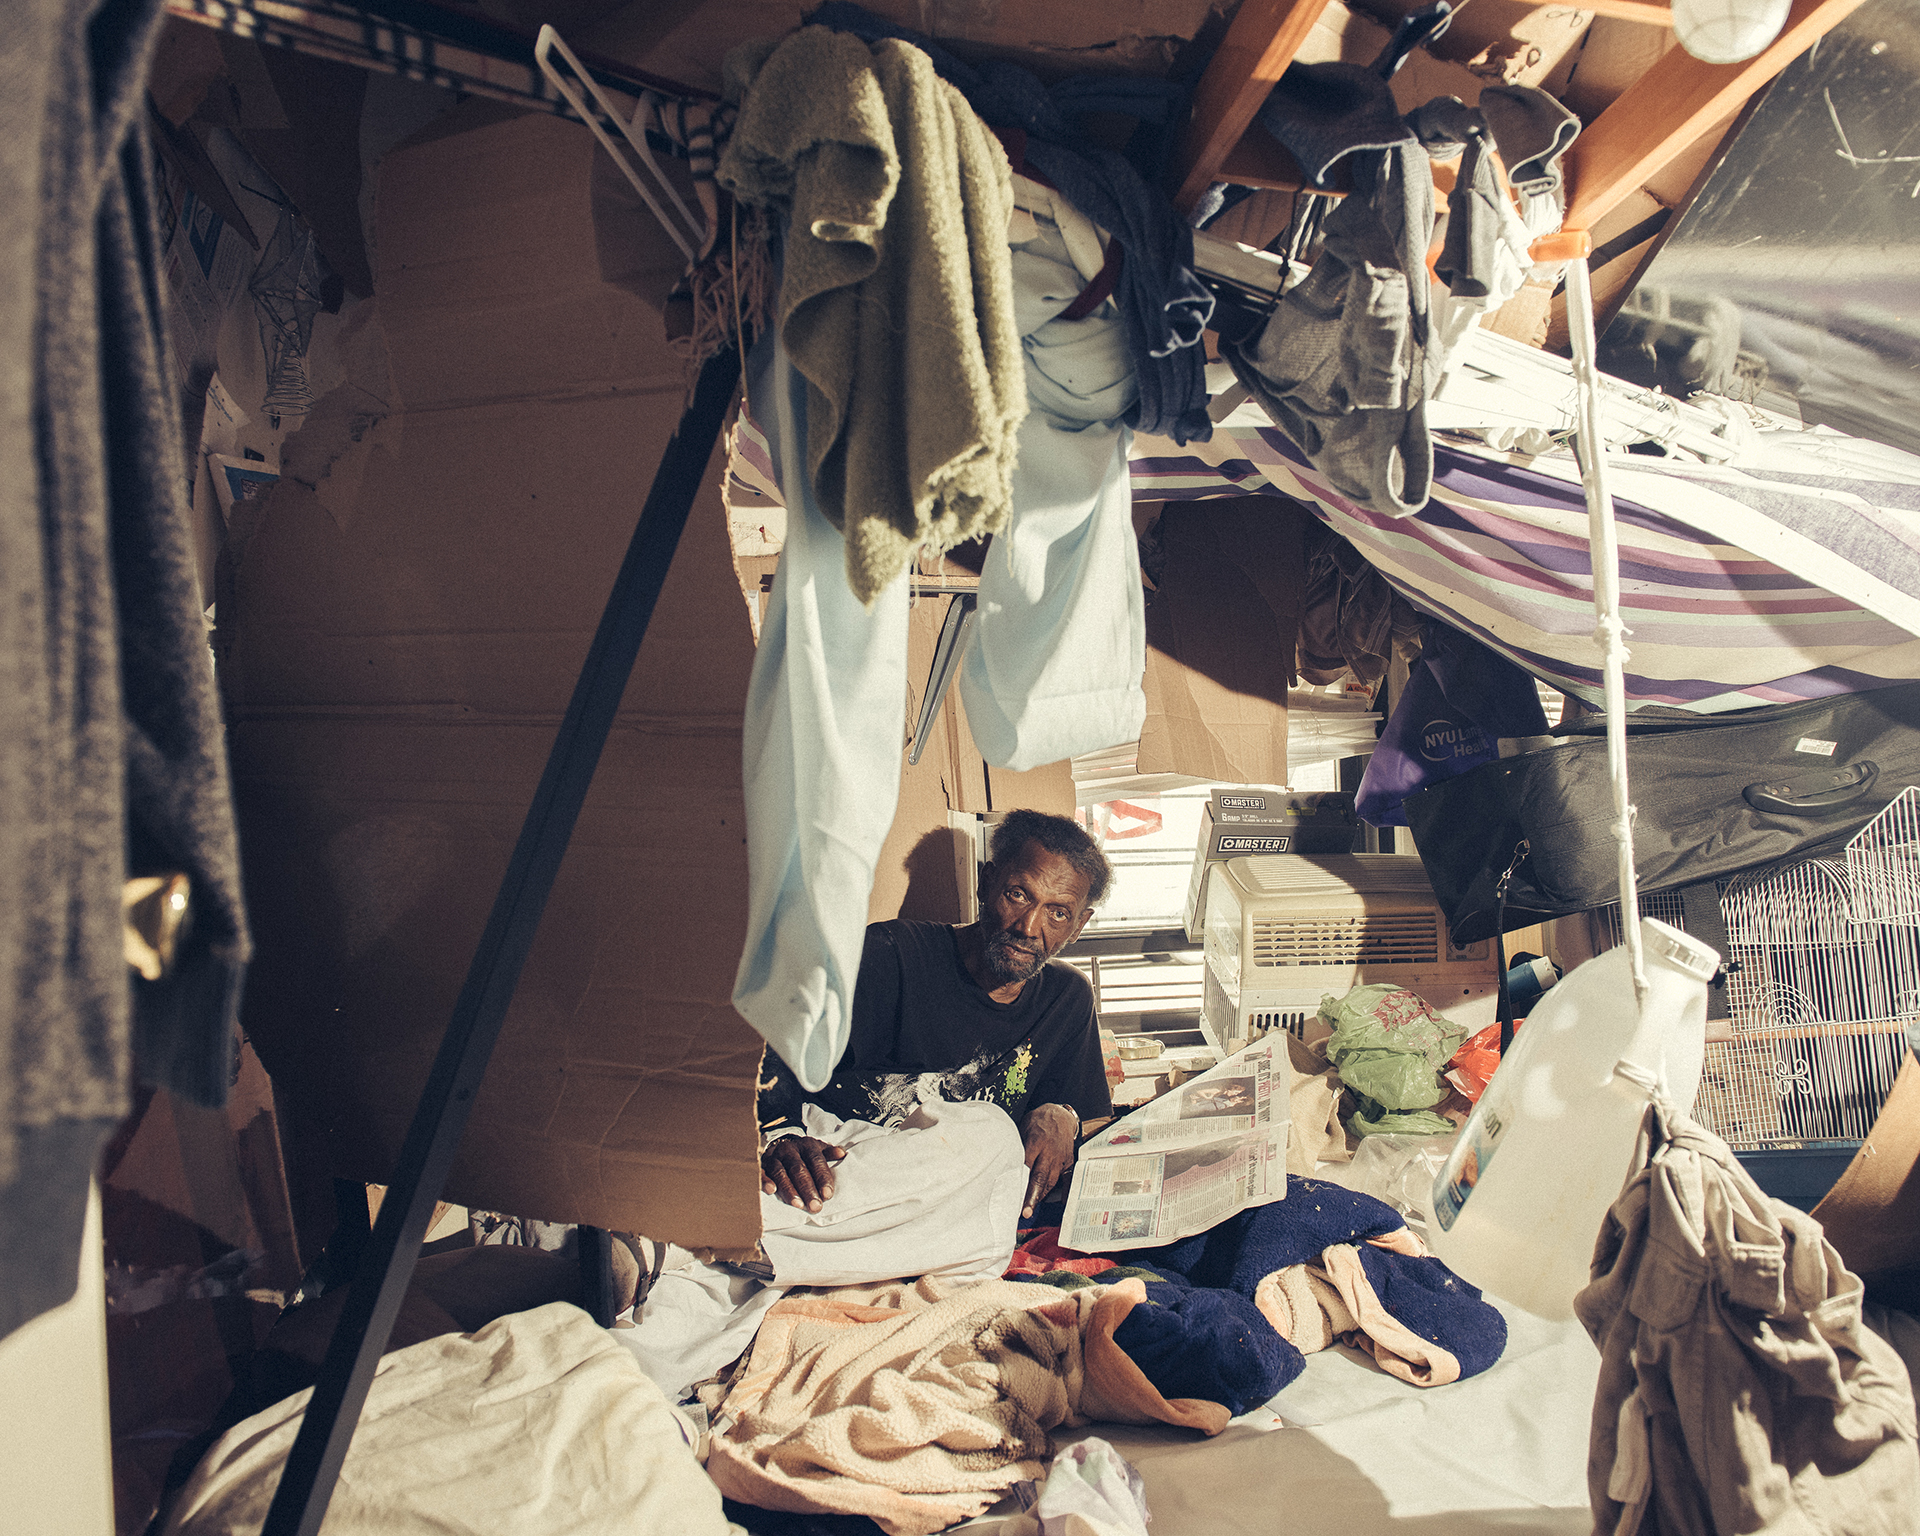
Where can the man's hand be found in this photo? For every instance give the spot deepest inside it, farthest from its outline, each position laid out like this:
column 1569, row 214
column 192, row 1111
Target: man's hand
column 796, row 1169
column 1050, row 1132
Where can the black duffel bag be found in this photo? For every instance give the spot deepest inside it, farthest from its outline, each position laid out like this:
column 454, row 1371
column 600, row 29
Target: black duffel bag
column 1715, row 794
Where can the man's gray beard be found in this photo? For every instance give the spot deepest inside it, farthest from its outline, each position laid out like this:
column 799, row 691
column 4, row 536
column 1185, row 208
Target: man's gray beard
column 1008, row 962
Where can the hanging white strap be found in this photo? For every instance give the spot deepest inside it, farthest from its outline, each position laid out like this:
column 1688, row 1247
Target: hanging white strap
column 634, row 154
column 1609, row 633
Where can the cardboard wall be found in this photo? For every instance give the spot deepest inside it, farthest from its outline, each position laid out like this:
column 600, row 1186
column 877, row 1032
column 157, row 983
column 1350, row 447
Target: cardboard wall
column 1222, row 630
column 925, row 869
column 396, row 661
column 200, row 1255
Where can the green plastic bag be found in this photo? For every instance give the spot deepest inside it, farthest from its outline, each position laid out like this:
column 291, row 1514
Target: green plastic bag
column 1388, row 1047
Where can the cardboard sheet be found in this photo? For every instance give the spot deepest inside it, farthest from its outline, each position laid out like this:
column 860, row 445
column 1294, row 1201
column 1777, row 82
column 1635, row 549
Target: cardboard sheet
column 925, row 869
column 1347, row 1450
column 1221, row 632
column 1872, row 1215
column 1511, row 41
column 1347, row 34
column 395, row 670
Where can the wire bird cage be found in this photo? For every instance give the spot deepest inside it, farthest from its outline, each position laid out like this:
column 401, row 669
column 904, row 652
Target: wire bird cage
column 1828, row 980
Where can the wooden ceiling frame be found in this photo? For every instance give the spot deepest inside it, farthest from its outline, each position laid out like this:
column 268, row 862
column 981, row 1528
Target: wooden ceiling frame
column 1653, row 122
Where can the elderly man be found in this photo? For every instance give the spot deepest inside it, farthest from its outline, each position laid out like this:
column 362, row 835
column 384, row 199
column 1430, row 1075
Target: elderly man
column 974, row 1012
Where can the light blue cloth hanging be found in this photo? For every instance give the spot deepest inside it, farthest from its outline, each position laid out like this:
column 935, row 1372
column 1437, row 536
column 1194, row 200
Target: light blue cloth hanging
column 824, row 724
column 1055, row 669
column 1060, row 634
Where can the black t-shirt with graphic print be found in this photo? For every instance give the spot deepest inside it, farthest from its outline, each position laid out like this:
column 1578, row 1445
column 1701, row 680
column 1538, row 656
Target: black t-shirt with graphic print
column 916, row 1010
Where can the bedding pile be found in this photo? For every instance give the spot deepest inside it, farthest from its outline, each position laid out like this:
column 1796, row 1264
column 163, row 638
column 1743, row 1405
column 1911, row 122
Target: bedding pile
column 915, row 1402
column 1325, row 1265
column 538, row 1422
column 919, row 1402
column 920, row 1405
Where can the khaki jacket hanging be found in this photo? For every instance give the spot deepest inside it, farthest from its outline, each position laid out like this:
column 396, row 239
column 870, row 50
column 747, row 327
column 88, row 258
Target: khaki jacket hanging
column 1739, row 1389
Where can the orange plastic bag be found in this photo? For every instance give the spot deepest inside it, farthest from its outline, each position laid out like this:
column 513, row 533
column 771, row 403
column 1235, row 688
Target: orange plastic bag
column 1473, row 1065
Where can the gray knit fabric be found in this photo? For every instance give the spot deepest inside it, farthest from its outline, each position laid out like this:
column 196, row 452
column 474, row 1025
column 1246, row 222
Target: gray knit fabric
column 1342, row 365
column 1533, row 131
column 111, row 748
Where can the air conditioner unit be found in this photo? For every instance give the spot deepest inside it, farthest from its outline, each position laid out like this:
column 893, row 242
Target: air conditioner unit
column 1285, row 930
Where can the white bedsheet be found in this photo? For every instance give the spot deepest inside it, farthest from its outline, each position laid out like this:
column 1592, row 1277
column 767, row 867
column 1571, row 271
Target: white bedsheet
column 1349, row 1451
column 941, row 1190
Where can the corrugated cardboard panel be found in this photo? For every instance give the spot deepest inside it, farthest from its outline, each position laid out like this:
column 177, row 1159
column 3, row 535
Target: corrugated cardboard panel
column 395, row 677
column 1872, row 1215
column 1345, row 35
column 922, row 865
column 914, row 875
column 1510, row 41
column 1221, row 636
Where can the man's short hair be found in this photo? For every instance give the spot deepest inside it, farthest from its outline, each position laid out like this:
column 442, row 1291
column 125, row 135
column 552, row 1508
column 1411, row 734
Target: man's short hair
column 1057, row 834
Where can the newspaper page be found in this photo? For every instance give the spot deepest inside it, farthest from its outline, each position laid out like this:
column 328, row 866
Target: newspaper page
column 1187, row 1161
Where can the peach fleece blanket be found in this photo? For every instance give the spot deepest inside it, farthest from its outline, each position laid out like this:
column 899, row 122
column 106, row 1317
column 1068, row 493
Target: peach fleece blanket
column 920, row 1403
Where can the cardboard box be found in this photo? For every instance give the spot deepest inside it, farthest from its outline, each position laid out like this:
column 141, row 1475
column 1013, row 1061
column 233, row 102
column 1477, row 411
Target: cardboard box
column 396, row 664
column 1222, row 629
column 1237, row 822
column 1323, row 817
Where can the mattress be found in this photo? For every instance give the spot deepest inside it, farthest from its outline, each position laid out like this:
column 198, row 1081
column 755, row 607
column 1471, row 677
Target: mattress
column 1347, row 1450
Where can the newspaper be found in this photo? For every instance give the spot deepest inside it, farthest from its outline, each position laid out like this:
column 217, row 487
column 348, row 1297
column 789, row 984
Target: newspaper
column 1188, row 1160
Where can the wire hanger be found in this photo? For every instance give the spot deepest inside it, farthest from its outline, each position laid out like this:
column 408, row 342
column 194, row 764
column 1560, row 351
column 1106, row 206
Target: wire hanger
column 686, row 231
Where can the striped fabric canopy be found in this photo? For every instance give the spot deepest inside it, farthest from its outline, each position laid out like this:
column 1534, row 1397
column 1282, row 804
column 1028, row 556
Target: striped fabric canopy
column 1760, row 562
column 1500, row 552
column 458, row 50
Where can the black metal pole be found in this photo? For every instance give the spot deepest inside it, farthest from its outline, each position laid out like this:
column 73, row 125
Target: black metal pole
column 387, row 1260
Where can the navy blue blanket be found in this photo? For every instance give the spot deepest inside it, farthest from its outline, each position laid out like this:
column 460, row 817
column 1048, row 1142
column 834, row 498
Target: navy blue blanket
column 1195, row 1341
column 1244, row 1249
column 1200, row 1335
column 1422, row 1293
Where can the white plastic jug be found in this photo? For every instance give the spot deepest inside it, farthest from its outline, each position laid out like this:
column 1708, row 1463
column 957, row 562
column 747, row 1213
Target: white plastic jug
column 1520, row 1202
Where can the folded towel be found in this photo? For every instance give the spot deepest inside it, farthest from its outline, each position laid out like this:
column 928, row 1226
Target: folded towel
column 1305, row 1308
column 1164, row 304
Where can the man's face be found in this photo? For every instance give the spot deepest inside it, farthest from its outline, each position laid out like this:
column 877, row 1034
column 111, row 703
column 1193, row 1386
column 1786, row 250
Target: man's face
column 1030, row 906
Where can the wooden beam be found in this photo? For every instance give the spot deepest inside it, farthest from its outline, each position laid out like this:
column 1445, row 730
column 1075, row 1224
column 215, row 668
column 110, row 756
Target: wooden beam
column 1261, row 160
column 1258, row 47
column 1663, row 112
column 1654, row 13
